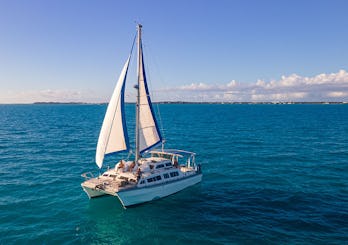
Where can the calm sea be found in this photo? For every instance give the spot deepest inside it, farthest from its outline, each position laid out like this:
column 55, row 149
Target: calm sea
column 273, row 174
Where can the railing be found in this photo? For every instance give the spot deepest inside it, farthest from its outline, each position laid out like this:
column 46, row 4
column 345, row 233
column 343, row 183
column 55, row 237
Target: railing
column 87, row 175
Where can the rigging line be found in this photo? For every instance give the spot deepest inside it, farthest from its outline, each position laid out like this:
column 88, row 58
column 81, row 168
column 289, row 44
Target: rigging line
column 135, row 36
column 152, row 92
column 130, row 153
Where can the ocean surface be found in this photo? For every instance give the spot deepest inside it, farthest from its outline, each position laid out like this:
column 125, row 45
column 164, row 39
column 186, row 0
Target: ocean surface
column 273, row 174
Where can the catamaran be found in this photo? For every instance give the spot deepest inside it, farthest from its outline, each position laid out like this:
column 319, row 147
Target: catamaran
column 152, row 174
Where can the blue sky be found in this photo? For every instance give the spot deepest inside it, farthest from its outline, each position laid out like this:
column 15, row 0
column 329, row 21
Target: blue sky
column 194, row 50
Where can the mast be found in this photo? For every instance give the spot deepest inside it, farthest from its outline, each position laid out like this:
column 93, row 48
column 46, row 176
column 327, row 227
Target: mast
column 137, row 148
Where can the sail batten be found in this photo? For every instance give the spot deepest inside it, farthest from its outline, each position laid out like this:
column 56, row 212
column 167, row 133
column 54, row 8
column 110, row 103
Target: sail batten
column 113, row 135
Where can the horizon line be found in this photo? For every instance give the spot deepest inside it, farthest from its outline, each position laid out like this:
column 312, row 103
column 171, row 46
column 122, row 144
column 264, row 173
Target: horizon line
column 183, row 102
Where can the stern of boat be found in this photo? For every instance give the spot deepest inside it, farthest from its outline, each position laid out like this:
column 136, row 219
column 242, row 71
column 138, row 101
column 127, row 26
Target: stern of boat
column 90, row 186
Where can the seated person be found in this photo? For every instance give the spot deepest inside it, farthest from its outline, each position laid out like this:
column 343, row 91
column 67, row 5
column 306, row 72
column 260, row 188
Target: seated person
column 120, row 166
column 139, row 173
column 131, row 166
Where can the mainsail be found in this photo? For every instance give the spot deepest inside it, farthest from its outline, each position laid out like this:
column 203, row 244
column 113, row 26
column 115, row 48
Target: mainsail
column 113, row 135
column 149, row 134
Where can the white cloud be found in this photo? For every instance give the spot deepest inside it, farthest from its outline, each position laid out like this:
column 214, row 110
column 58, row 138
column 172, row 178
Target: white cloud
column 322, row 87
column 231, row 84
column 205, row 87
column 336, row 94
column 196, row 86
column 279, row 96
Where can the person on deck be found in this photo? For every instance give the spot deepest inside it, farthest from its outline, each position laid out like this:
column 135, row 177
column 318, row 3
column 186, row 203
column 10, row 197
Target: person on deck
column 120, row 166
column 131, row 166
column 176, row 163
column 139, row 173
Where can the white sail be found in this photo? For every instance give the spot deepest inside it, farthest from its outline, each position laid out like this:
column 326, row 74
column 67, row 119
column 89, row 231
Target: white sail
column 149, row 134
column 113, row 135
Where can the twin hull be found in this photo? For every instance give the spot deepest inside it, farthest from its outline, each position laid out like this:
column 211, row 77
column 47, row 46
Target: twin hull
column 140, row 195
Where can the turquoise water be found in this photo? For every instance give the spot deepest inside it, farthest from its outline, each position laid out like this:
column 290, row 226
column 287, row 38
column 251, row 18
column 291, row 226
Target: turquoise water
column 273, row 174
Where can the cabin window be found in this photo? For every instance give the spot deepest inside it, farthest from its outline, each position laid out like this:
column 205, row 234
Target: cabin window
column 168, row 164
column 151, row 179
column 166, row 176
column 160, row 166
column 173, row 174
column 105, row 175
column 142, row 182
column 154, row 179
column 112, row 175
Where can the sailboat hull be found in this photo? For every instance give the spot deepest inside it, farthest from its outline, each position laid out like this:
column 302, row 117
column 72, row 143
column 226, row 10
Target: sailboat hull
column 147, row 194
column 92, row 192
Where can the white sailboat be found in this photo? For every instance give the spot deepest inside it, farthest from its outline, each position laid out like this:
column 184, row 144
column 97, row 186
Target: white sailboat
column 161, row 173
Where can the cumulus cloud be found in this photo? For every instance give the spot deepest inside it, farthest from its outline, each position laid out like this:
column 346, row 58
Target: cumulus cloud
column 336, row 94
column 279, row 96
column 196, row 86
column 206, row 87
column 294, row 80
column 322, row 87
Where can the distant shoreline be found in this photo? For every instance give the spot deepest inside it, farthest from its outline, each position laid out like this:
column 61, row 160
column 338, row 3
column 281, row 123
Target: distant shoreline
column 187, row 102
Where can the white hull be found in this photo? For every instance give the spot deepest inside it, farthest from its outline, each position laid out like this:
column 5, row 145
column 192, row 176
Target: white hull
column 92, row 193
column 146, row 194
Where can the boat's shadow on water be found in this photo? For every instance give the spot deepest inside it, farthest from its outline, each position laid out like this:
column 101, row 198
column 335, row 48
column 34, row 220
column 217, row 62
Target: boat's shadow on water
column 152, row 222
column 104, row 203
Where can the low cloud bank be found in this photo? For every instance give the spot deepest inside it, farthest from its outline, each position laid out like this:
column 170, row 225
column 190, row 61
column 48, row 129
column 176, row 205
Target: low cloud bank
column 47, row 95
column 331, row 87
column 295, row 88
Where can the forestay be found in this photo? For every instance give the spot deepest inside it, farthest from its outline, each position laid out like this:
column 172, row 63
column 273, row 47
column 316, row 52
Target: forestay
column 113, row 135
